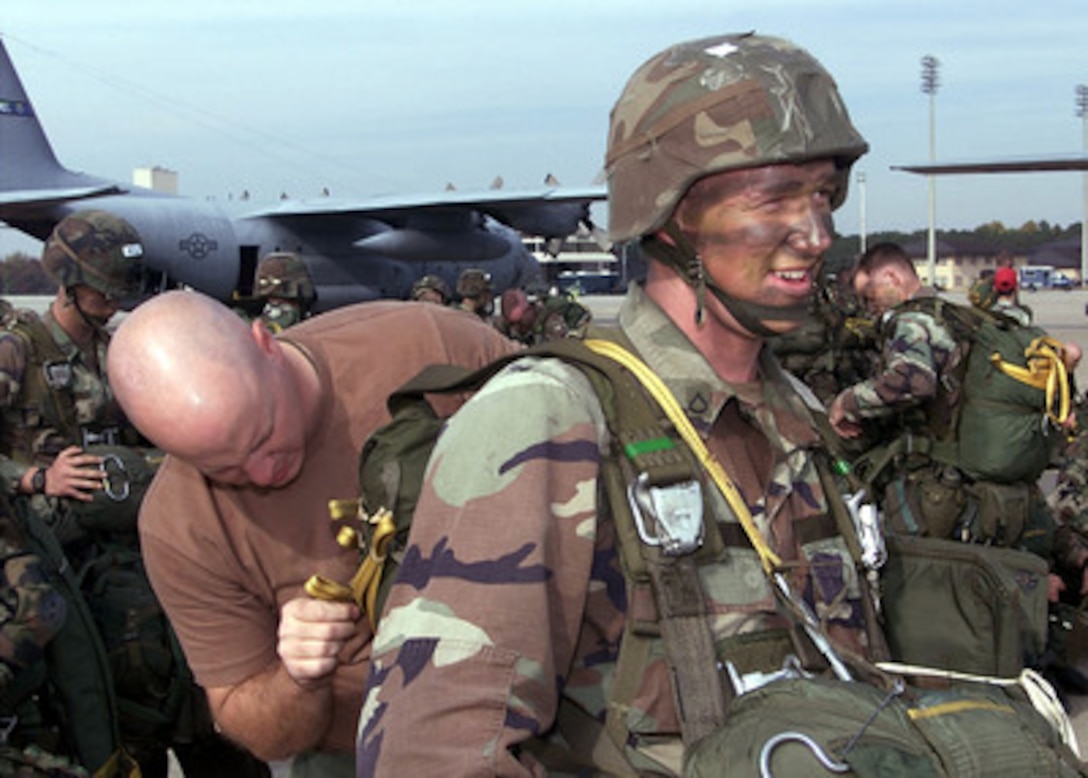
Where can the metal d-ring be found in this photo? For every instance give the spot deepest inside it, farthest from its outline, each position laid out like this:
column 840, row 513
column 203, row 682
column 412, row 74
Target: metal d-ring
column 119, row 495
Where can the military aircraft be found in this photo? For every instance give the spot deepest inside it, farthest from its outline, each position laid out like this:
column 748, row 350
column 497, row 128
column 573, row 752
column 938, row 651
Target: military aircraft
column 355, row 250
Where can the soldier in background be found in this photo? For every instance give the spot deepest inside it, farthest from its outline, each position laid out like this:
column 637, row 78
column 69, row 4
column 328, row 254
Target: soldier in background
column 532, row 319
column 69, row 461
column 283, row 282
column 431, row 289
column 837, row 346
column 999, row 293
column 474, row 293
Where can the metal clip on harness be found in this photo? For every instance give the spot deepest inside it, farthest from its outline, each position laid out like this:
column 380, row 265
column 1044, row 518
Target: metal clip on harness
column 113, row 468
column 668, row 516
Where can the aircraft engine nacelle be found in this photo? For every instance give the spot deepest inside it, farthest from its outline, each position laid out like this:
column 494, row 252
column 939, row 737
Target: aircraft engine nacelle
column 412, row 245
column 192, row 243
column 548, row 220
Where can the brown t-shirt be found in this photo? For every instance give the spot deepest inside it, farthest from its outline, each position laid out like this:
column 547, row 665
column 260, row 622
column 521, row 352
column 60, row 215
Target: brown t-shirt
column 224, row 560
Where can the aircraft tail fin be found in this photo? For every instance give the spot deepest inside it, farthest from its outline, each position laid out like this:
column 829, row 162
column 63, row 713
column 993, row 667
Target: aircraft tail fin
column 29, row 171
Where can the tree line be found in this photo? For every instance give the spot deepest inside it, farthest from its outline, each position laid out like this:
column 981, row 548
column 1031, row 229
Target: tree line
column 987, row 239
column 21, row 273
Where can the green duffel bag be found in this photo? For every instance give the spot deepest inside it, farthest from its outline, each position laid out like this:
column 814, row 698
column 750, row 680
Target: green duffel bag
column 963, row 607
column 806, row 728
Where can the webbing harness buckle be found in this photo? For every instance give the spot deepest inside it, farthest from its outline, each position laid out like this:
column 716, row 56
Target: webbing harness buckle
column 108, row 436
column 668, row 516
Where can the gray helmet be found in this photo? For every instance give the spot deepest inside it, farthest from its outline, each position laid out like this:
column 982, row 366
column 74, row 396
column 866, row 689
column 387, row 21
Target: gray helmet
column 715, row 104
column 473, row 282
column 284, row 274
column 97, row 249
column 431, row 282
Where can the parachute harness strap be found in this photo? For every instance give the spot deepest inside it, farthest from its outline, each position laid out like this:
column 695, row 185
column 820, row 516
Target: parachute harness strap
column 661, row 394
column 365, row 584
column 1045, row 370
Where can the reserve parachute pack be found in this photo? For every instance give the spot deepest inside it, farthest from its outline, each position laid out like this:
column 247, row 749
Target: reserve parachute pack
column 806, row 726
column 1012, row 393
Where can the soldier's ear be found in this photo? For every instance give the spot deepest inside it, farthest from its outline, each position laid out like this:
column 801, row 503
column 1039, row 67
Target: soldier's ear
column 263, row 337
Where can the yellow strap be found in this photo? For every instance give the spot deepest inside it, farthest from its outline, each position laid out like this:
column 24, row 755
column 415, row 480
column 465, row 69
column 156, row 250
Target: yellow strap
column 368, row 578
column 364, row 585
column 957, row 706
column 657, row 389
column 1045, row 370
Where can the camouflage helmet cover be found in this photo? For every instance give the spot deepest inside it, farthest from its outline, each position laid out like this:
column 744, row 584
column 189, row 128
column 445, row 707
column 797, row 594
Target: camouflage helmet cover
column 284, row 274
column 715, row 104
column 473, row 282
column 430, row 282
column 97, row 249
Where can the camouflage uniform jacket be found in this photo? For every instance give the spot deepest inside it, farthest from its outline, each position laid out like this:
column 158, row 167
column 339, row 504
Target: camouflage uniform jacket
column 919, row 357
column 31, row 610
column 511, row 601
column 27, row 435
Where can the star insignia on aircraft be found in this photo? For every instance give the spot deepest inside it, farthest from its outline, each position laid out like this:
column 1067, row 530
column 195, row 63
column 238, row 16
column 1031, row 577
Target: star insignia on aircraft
column 198, row 245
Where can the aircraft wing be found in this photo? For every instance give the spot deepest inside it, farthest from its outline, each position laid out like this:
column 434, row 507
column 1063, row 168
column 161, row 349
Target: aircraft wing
column 44, row 198
column 393, row 206
column 1023, row 164
column 416, row 227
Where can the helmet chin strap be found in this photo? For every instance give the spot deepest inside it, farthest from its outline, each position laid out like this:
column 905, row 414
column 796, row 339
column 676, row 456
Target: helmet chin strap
column 94, row 322
column 682, row 256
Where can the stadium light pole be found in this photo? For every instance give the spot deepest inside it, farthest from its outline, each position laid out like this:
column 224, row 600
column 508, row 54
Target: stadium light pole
column 930, row 64
column 1082, row 112
column 861, row 208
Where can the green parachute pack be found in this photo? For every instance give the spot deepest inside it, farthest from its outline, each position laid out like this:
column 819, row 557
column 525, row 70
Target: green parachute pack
column 874, row 726
column 1012, row 392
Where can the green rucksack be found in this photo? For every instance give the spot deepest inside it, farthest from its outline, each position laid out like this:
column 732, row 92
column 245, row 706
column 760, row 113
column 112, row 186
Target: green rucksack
column 1015, row 394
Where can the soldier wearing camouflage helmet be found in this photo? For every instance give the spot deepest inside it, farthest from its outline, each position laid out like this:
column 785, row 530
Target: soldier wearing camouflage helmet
column 474, row 292
column 62, row 439
column 431, row 289
column 726, row 157
column 283, row 282
column 54, row 397
column 54, row 364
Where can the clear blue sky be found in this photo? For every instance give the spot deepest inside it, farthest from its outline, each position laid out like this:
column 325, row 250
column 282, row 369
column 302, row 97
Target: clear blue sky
column 383, row 97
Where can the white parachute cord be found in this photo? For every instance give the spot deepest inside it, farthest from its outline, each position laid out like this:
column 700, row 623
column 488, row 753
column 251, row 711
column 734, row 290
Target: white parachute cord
column 1039, row 691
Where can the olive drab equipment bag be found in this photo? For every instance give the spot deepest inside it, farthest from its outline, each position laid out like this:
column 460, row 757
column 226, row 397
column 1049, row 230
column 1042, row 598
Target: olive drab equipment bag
column 963, row 606
column 717, row 727
column 128, row 472
column 804, row 728
column 1011, row 395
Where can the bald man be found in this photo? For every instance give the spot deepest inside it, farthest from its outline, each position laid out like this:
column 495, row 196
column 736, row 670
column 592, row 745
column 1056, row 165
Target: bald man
column 261, row 432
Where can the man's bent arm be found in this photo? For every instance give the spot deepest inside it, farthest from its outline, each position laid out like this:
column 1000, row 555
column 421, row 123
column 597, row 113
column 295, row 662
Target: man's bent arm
column 272, row 715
